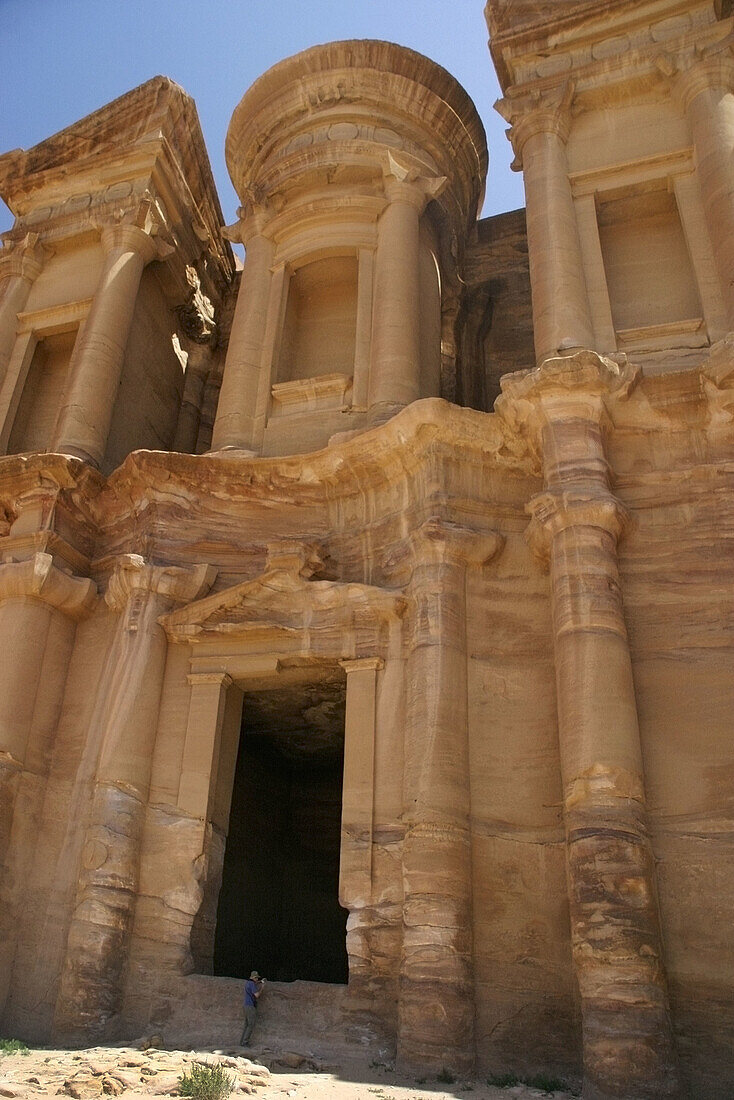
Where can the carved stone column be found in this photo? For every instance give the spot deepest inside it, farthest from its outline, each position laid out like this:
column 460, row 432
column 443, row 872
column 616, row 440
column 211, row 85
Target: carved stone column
column 125, row 719
column 561, row 312
column 705, row 91
column 19, row 267
column 189, row 415
column 436, row 1009
column 395, row 356
column 235, row 426
column 39, row 608
column 615, row 927
column 355, row 857
column 96, row 365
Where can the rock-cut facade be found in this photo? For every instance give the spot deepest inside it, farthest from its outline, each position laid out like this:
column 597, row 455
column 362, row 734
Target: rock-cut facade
column 367, row 608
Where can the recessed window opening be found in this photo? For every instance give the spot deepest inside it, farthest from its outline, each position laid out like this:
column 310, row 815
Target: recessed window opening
column 648, row 268
column 278, row 907
column 320, row 330
column 38, row 409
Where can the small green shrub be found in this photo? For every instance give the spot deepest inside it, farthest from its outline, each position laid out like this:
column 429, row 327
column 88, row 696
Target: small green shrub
column 13, row 1046
column 503, row 1080
column 546, row 1084
column 205, row 1082
column 540, row 1081
column 446, row 1077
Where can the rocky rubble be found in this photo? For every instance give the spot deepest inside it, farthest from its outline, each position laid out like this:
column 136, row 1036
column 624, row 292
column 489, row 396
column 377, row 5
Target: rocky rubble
column 111, row 1071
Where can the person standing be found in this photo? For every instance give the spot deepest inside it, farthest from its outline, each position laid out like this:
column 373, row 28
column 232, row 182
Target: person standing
column 253, row 989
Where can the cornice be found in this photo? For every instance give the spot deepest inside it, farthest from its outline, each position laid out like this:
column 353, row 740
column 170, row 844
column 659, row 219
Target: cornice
column 396, row 447
column 350, row 102
column 149, row 138
column 140, row 505
column 574, row 30
column 614, row 63
column 20, row 474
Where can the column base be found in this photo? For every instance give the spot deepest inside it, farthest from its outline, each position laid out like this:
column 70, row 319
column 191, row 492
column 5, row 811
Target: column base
column 70, row 451
column 436, row 1028
column 382, row 412
column 231, row 451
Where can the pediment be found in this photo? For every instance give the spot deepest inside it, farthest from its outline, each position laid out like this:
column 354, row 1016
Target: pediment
column 281, row 600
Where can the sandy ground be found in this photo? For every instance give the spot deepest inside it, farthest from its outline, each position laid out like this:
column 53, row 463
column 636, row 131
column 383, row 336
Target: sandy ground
column 129, row 1072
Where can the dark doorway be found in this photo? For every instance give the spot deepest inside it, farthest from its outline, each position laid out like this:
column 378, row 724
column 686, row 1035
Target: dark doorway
column 278, row 909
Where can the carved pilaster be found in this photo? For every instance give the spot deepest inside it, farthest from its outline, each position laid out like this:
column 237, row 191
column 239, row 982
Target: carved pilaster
column 20, row 265
column 40, row 605
column 701, row 83
column 563, row 407
column 34, row 595
column 437, row 881
column 246, row 381
column 395, row 352
column 540, row 129
column 125, row 718
column 94, row 371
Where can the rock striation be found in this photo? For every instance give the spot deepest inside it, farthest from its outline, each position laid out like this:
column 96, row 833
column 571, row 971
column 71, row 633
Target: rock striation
column 367, row 611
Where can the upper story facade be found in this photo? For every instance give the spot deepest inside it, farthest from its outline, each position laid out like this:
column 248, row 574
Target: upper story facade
column 369, row 281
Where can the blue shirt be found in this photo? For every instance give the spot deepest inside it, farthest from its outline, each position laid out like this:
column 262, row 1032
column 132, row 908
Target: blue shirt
column 250, row 991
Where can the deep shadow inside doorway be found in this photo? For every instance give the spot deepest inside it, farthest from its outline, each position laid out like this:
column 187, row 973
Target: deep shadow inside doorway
column 278, row 907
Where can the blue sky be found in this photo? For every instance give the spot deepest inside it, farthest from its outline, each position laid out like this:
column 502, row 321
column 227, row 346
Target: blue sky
column 62, row 59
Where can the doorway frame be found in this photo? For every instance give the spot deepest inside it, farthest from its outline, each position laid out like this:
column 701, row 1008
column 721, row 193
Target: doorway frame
column 260, row 632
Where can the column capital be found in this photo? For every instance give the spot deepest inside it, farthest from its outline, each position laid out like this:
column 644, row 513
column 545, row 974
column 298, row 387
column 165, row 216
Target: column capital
column 404, row 183
column 362, row 664
column 253, row 220
column 582, row 385
column 541, row 112
column 693, row 71
column 138, row 230
column 23, row 258
column 556, row 510
column 717, row 375
column 133, row 578
column 439, row 542
column 222, row 679
column 38, row 577
column 123, row 236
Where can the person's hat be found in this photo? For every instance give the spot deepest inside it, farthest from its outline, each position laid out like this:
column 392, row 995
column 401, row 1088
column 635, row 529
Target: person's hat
column 254, row 976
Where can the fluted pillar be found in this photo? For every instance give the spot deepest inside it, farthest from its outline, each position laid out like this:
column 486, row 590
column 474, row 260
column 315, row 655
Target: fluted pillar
column 436, row 1006
column 705, row 91
column 96, row 364
column 39, row 608
column 615, row 926
column 18, row 270
column 237, row 424
column 561, row 312
column 125, row 719
column 395, row 365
